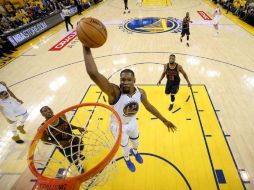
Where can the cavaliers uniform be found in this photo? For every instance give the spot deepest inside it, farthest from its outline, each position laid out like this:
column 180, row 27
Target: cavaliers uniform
column 185, row 27
column 127, row 107
column 60, row 132
column 63, row 132
column 173, row 80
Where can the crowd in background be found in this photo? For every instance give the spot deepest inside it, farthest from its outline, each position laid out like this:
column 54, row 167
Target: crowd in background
column 30, row 11
column 242, row 8
column 14, row 17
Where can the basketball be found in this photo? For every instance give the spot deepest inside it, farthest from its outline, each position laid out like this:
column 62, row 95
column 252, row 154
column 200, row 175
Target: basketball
column 91, row 32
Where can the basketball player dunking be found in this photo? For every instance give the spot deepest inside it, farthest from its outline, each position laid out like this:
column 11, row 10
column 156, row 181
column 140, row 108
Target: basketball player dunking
column 126, row 100
column 60, row 134
column 186, row 28
column 171, row 71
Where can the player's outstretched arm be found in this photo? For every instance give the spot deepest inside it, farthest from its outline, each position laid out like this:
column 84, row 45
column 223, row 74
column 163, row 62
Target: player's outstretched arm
column 110, row 89
column 162, row 76
column 10, row 92
column 81, row 130
column 149, row 107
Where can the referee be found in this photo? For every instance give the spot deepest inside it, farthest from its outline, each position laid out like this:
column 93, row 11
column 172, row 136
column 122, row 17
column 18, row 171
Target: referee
column 67, row 18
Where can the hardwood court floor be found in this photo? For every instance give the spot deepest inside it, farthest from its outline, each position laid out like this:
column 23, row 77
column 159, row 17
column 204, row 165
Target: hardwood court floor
column 224, row 64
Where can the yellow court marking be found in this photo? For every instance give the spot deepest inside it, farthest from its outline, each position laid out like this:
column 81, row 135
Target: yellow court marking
column 156, row 3
column 234, row 18
column 186, row 159
column 218, row 147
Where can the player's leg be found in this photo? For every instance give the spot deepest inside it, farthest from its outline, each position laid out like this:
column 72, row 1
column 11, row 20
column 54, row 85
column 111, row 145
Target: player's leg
column 71, row 156
column 66, row 23
column 77, row 147
column 188, row 37
column 125, row 145
column 21, row 111
column 174, row 90
column 134, row 138
column 215, row 24
column 182, row 35
column 125, row 5
column 139, row 2
column 12, row 120
column 22, row 122
column 168, row 90
column 69, row 21
column 126, row 151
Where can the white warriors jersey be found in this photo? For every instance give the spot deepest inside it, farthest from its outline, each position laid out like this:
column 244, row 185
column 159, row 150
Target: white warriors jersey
column 8, row 103
column 2, row 88
column 128, row 106
column 217, row 12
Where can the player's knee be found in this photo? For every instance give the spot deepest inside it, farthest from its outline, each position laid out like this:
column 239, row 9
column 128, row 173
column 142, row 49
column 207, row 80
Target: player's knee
column 126, row 149
column 124, row 144
column 167, row 91
column 11, row 120
column 135, row 142
column 188, row 37
column 13, row 123
column 25, row 116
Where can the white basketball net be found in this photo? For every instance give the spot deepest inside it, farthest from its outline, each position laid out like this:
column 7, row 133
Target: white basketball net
column 82, row 151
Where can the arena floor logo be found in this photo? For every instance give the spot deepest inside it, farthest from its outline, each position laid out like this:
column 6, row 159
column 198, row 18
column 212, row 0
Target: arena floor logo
column 152, row 25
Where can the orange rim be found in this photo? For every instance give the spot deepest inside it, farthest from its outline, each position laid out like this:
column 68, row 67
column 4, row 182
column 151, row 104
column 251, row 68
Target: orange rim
column 90, row 173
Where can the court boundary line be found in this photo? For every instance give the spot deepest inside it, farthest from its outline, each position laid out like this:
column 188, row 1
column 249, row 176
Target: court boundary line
column 206, row 143
column 130, row 53
column 229, row 148
column 165, row 160
column 202, row 130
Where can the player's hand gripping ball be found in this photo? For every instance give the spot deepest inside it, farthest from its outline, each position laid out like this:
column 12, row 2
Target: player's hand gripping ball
column 91, row 32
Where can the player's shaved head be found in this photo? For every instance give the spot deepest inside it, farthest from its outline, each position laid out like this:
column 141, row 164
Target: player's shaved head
column 127, row 71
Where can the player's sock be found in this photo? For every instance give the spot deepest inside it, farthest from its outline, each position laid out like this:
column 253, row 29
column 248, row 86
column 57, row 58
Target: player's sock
column 172, row 97
column 126, row 151
column 171, row 106
column 21, row 129
column 13, row 127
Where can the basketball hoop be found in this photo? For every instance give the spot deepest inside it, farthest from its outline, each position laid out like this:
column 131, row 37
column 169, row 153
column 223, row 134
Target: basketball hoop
column 86, row 160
